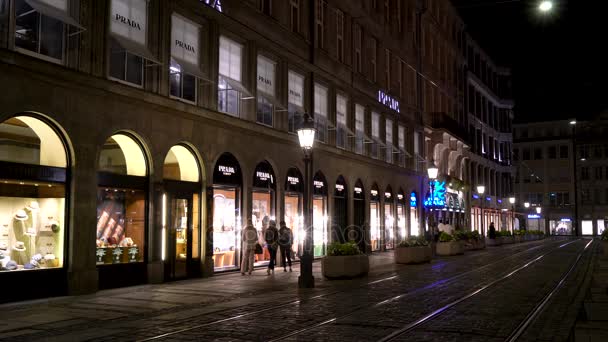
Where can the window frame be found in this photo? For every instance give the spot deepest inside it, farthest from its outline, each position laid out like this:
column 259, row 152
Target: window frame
column 181, row 98
column 38, row 45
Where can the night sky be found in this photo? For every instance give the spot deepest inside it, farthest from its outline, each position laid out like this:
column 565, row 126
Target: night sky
column 559, row 60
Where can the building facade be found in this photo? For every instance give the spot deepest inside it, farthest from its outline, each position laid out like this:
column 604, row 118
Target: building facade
column 544, row 158
column 138, row 137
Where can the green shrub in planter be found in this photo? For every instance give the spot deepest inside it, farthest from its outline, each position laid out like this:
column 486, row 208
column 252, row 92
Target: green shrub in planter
column 604, row 236
column 474, row 235
column 445, row 237
column 449, row 245
column 413, row 250
column 342, row 249
column 414, row 241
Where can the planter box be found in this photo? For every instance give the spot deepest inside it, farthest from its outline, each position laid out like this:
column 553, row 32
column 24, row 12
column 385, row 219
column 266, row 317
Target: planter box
column 450, row 248
column 473, row 245
column 345, row 267
column 507, row 239
column 517, row 238
column 412, row 255
column 494, row 242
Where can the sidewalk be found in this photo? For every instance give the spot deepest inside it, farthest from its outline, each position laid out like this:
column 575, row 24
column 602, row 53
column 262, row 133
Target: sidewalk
column 167, row 301
column 592, row 324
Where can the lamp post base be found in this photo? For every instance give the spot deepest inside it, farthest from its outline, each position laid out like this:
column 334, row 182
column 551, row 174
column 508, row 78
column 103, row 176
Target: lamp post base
column 306, row 280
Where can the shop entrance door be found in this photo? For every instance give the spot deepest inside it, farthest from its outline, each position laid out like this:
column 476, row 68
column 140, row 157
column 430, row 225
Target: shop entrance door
column 360, row 224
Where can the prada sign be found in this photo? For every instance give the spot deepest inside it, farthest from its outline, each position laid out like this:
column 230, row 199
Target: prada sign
column 185, row 36
column 128, row 20
column 226, row 170
column 215, row 4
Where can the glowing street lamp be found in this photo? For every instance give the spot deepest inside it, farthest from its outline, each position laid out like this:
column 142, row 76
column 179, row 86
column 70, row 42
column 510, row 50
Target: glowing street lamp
column 480, row 190
column 527, row 205
column 545, row 6
column 512, row 201
column 306, row 136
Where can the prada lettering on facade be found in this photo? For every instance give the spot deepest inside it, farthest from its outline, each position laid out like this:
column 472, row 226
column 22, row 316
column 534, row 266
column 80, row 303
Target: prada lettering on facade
column 216, row 4
column 128, row 19
column 388, row 101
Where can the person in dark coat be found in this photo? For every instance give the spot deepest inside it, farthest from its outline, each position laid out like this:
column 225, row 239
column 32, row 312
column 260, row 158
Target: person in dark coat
column 285, row 243
column 271, row 235
column 492, row 231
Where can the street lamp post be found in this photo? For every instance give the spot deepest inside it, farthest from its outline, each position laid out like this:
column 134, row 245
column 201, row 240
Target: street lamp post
column 306, row 136
column 538, row 211
column 480, row 190
column 432, row 172
column 574, row 158
column 512, row 201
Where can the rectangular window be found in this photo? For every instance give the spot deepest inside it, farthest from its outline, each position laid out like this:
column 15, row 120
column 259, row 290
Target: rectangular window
column 563, row 152
column 387, row 11
column 375, row 135
column 39, row 33
column 358, row 39
column 266, row 92
column 340, row 35
column 266, row 7
column 372, row 58
column 184, row 65
column 401, row 144
column 598, row 172
column 389, row 140
column 230, row 70
column 321, row 112
column 320, row 23
column 526, row 154
column 341, row 122
column 359, row 129
column 400, row 78
column 552, row 152
column 399, row 15
column 295, row 15
column 538, row 153
column 584, row 173
column 417, row 150
column 125, row 66
column 296, row 100
column 387, row 68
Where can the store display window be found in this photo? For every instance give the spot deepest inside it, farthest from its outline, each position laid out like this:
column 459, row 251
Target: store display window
column 587, row 227
column 33, row 163
column 389, row 219
column 293, row 208
column 359, row 215
column 401, row 216
column 339, row 222
column 374, row 218
column 319, row 217
column 121, row 201
column 227, row 179
column 262, row 206
column 414, row 222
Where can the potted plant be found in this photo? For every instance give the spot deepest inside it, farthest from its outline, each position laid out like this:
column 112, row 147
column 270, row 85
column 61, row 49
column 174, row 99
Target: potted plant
column 473, row 241
column 518, row 235
column 506, row 236
column 344, row 261
column 413, row 250
column 449, row 245
column 497, row 241
column 604, row 239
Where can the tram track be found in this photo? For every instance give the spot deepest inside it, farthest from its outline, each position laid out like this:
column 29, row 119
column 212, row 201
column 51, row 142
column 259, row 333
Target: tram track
column 274, row 307
column 522, row 326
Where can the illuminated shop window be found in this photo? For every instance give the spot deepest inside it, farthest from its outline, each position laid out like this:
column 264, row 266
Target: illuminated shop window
column 121, row 201
column 33, row 163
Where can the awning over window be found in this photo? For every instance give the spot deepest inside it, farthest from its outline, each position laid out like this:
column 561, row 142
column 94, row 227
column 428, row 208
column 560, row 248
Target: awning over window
column 136, row 49
column 57, row 9
column 185, row 42
column 128, row 26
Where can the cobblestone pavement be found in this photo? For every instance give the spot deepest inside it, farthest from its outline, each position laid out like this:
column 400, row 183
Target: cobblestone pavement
column 231, row 307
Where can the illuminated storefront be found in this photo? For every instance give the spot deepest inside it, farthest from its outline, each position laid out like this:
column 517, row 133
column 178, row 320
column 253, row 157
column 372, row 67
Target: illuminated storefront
column 181, row 234
column 263, row 205
column 401, row 216
column 374, row 218
column 319, row 217
column 414, row 220
column 389, row 219
column 226, row 215
column 562, row 226
column 122, row 212
column 359, row 213
column 339, row 222
column 293, row 208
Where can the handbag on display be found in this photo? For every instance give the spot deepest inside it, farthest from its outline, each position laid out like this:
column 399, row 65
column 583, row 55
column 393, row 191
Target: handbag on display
column 258, row 249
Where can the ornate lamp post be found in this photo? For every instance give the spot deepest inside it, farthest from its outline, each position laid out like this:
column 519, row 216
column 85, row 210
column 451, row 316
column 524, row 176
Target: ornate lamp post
column 480, row 190
column 306, row 136
column 512, row 201
column 538, row 211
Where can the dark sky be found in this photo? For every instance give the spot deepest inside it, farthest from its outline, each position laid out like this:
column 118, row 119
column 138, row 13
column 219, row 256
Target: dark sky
column 559, row 60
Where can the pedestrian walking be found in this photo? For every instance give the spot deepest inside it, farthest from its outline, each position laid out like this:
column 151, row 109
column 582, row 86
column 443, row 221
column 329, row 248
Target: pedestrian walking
column 492, row 231
column 272, row 241
column 285, row 243
column 249, row 236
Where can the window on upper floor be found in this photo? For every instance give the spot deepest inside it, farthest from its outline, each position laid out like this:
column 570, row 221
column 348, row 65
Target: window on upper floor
column 584, row 173
column 387, row 68
column 552, row 152
column 321, row 112
column 266, row 90
column 388, row 139
column 538, row 153
column 320, row 23
column 526, row 153
column 357, row 44
column 598, row 172
column 40, row 28
column 294, row 15
column 341, row 122
column 375, row 135
column 184, row 67
column 401, row 145
column 340, row 35
column 296, row 101
column 515, row 154
column 359, row 129
column 230, row 88
column 266, row 7
column 373, row 56
column 387, row 11
column 563, row 152
column 399, row 15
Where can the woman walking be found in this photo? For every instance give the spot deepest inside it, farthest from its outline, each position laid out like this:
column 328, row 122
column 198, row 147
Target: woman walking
column 285, row 243
column 272, row 240
column 249, row 238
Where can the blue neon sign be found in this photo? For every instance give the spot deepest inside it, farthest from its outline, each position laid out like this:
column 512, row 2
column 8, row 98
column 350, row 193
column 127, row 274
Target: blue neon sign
column 413, row 200
column 437, row 197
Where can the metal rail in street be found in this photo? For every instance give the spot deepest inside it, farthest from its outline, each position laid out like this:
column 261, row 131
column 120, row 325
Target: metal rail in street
column 298, row 301
column 434, row 314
